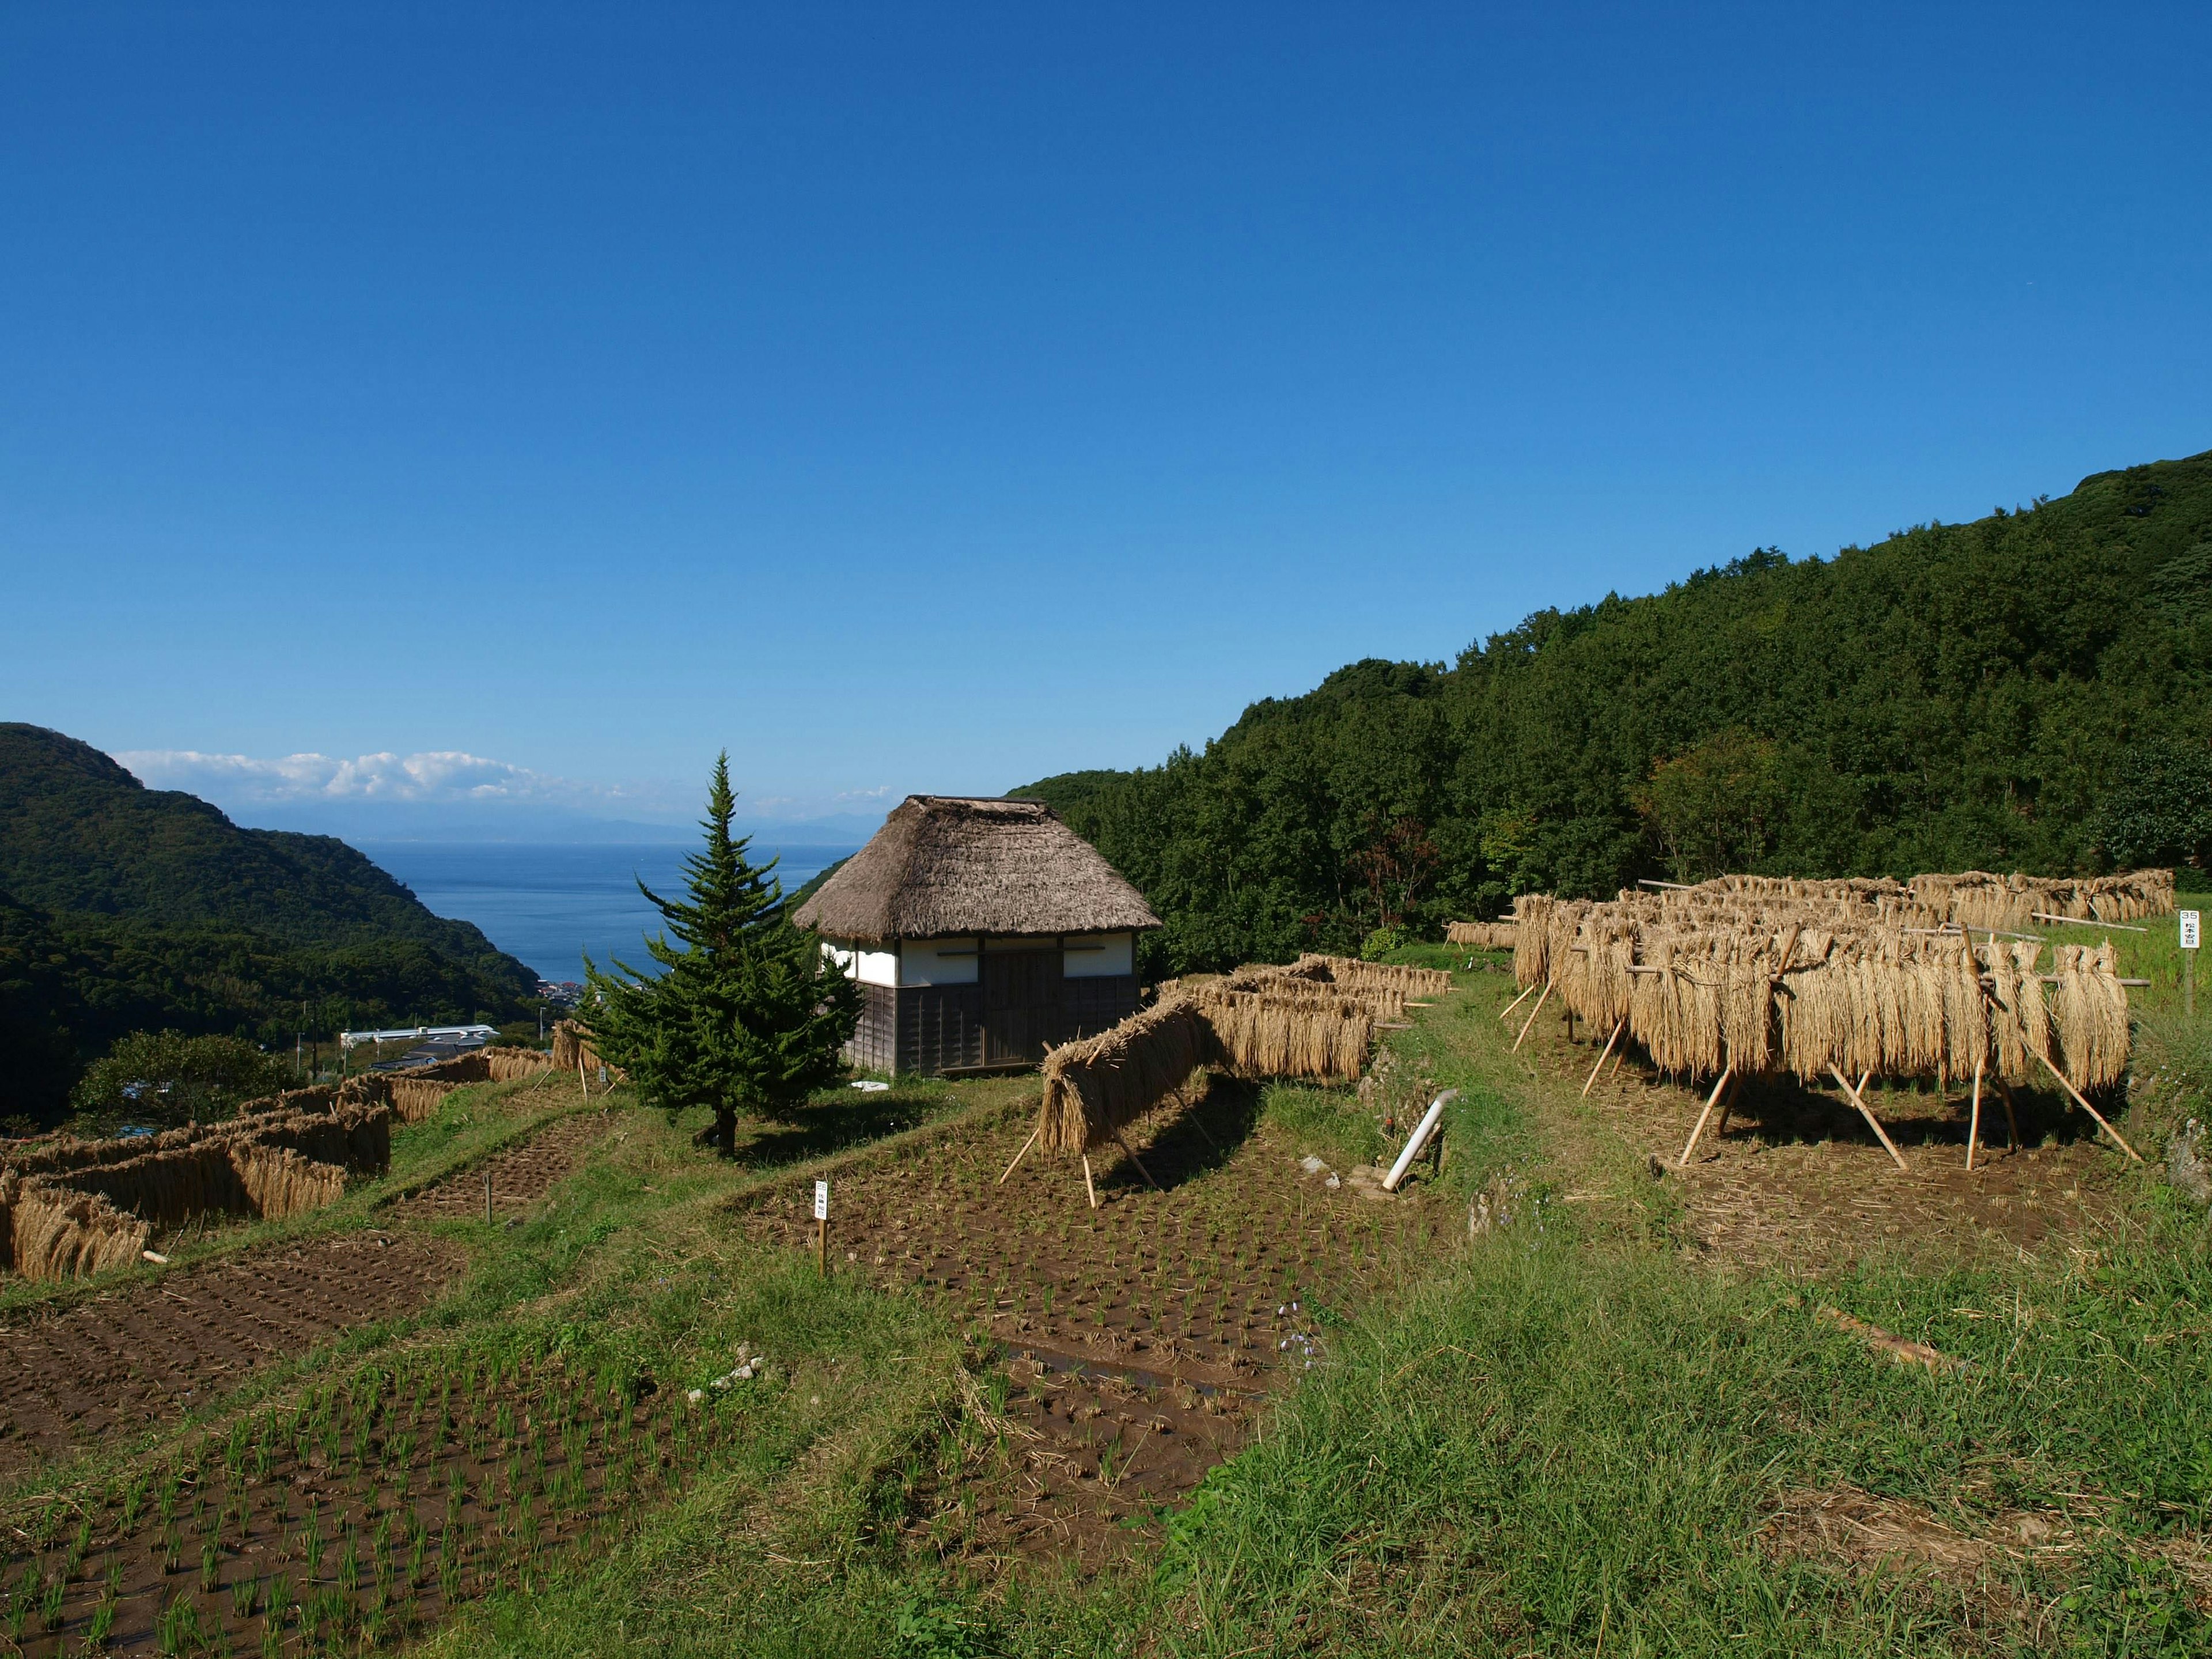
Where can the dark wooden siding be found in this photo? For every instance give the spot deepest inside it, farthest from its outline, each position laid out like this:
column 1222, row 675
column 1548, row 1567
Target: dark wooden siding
column 939, row 1027
column 1022, row 1005
column 874, row 1047
column 1089, row 1007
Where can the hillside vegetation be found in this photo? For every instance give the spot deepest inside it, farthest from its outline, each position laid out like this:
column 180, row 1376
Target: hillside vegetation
column 2032, row 690
column 126, row 908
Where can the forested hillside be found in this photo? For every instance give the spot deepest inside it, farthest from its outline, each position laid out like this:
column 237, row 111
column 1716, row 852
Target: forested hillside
column 125, row 909
column 2032, row 690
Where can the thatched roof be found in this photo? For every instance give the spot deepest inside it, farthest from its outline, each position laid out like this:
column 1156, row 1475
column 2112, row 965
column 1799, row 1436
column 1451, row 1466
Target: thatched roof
column 951, row 864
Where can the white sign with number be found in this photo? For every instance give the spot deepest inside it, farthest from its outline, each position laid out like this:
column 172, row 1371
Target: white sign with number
column 2189, row 930
column 821, row 1200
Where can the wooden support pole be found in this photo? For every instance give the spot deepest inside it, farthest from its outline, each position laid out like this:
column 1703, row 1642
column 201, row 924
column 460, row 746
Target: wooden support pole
column 1533, row 1013
column 1507, row 1013
column 1974, row 1117
column 487, row 1194
column 1727, row 1105
column 1866, row 1112
column 1618, row 1058
column 1089, row 1186
column 2012, row 1123
column 1131, row 1152
column 2083, row 1101
column 2084, row 921
column 1022, row 1154
column 1699, row 1128
column 1618, row 1028
column 581, row 1083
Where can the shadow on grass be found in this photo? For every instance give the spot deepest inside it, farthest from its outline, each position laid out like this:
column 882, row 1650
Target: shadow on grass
column 1782, row 1111
column 826, row 1126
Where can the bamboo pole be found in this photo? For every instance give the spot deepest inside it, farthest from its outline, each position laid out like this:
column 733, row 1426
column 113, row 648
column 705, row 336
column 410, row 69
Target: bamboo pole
column 1089, row 1185
column 2086, row 921
column 1699, row 1128
column 1132, row 1153
column 1874, row 1123
column 2084, row 1102
column 1022, row 1154
column 1728, row 1106
column 1602, row 1058
column 1533, row 1013
column 1516, row 1003
column 1974, row 1118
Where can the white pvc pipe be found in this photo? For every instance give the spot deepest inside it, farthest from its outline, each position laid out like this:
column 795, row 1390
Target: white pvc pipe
column 1422, row 1131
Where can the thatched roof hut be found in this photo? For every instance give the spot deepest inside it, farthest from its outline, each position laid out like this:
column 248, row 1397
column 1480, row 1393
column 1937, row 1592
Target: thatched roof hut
column 983, row 931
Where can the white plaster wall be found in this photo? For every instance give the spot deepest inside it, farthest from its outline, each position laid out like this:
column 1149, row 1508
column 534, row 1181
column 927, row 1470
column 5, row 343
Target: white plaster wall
column 922, row 962
column 1119, row 956
column 869, row 967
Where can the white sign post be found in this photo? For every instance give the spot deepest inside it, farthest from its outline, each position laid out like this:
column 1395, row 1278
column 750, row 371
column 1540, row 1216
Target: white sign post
column 2192, row 933
column 822, row 1228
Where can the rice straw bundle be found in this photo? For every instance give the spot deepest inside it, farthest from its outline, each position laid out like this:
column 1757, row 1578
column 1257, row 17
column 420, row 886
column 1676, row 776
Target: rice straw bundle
column 50, row 1233
column 1287, row 984
column 1257, row 1033
column 1093, row 1087
column 1482, row 935
column 505, row 1064
column 1358, row 976
column 2090, row 1010
column 414, row 1098
column 75, row 1206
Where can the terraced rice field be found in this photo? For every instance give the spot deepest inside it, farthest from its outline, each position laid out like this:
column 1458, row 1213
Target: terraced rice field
column 1138, row 1340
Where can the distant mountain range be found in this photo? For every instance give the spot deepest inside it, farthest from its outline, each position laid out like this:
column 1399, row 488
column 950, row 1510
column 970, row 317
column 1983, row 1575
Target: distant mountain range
column 123, row 908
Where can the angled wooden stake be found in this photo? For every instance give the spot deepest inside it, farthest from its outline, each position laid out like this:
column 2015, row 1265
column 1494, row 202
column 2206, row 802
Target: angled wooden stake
column 1022, row 1154
column 1728, row 1106
column 1974, row 1117
column 1089, row 1185
column 1131, row 1152
column 2012, row 1123
column 1533, row 1013
column 1699, row 1128
column 1507, row 1012
column 1866, row 1112
column 1601, row 1059
column 2083, row 1101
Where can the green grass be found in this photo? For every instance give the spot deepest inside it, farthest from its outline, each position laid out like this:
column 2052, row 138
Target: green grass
column 1565, row 1435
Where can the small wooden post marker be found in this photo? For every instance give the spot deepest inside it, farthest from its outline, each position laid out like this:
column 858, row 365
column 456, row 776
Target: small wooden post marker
column 822, row 1228
column 487, row 1196
column 2191, row 933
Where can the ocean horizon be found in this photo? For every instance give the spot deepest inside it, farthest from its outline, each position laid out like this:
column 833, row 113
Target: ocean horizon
column 550, row 904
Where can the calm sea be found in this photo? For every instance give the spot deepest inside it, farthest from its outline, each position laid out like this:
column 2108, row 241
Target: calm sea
column 549, row 905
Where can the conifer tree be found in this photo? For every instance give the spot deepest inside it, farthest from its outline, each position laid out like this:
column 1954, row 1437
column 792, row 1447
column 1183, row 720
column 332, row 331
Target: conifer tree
column 745, row 1015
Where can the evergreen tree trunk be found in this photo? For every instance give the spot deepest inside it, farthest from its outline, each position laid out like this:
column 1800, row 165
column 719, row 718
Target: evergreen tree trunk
column 725, row 1130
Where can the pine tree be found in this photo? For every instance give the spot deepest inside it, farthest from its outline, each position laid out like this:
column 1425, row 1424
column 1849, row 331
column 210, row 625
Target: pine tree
column 745, row 1015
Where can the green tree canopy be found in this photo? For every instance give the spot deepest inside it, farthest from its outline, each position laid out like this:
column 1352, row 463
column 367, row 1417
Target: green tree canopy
column 1986, row 696
column 165, row 1079
column 745, row 1015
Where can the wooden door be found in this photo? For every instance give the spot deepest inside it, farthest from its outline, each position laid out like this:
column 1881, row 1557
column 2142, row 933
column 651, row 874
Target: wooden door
column 1021, row 1003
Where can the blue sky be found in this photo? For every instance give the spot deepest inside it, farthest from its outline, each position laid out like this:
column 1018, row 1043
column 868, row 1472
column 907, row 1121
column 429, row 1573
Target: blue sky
column 521, row 403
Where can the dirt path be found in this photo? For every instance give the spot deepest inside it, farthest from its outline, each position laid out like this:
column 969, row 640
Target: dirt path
column 1142, row 1336
column 145, row 1353
column 520, row 1175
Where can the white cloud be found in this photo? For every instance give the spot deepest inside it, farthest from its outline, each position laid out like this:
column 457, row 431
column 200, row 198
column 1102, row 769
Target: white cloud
column 435, row 776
